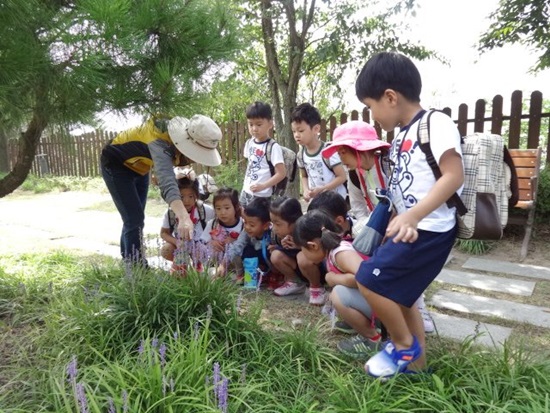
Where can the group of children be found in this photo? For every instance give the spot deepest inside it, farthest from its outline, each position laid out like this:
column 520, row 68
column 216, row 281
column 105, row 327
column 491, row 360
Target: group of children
column 315, row 248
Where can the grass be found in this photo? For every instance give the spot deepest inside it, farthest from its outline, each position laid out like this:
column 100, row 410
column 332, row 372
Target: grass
column 91, row 335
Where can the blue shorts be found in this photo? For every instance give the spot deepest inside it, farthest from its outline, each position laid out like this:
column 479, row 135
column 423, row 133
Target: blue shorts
column 402, row 271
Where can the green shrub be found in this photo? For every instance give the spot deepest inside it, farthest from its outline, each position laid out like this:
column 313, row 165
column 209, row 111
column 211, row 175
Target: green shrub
column 543, row 195
column 45, row 184
column 230, row 176
column 473, row 246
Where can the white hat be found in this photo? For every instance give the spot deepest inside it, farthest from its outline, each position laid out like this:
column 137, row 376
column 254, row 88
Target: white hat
column 197, row 138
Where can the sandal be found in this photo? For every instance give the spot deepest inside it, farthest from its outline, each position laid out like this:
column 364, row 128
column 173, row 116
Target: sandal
column 391, row 361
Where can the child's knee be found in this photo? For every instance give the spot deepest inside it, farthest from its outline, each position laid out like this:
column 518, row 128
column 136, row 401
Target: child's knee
column 305, row 265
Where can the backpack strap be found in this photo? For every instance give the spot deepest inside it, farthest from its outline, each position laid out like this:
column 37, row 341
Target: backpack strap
column 202, row 213
column 268, row 150
column 423, row 138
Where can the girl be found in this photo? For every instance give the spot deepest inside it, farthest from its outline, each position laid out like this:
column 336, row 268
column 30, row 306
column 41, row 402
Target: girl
column 228, row 224
column 199, row 213
column 284, row 212
column 320, row 238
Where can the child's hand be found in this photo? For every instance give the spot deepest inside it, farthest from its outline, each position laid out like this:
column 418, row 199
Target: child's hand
column 307, row 195
column 288, row 242
column 220, row 271
column 331, row 278
column 404, row 227
column 271, row 248
column 257, row 187
column 217, row 246
column 315, row 191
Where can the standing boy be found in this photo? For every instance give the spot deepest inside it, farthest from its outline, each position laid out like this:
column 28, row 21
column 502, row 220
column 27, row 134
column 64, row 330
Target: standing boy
column 258, row 181
column 422, row 234
column 317, row 176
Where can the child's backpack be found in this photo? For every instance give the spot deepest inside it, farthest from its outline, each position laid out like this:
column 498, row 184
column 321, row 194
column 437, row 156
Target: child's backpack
column 207, row 186
column 489, row 176
column 289, row 159
column 202, row 217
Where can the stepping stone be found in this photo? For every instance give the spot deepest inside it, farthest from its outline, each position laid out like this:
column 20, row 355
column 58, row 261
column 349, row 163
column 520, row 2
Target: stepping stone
column 511, row 268
column 486, row 282
column 508, row 310
column 458, row 328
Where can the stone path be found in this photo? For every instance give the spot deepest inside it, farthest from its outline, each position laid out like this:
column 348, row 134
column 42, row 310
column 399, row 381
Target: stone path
column 490, row 277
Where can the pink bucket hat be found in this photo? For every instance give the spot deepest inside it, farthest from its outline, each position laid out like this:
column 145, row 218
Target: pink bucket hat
column 356, row 134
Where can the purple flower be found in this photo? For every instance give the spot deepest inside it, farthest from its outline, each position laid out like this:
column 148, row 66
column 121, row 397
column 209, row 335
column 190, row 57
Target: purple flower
column 176, row 335
column 223, row 394
column 196, row 331
column 112, row 408
column 155, row 342
column 162, row 354
column 81, row 396
column 72, row 370
column 141, row 348
column 124, row 401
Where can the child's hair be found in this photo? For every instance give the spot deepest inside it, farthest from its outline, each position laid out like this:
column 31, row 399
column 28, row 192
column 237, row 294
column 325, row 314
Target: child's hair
column 307, row 113
column 232, row 195
column 388, row 70
column 289, row 209
column 259, row 110
column 330, row 202
column 186, row 183
column 317, row 224
column 258, row 208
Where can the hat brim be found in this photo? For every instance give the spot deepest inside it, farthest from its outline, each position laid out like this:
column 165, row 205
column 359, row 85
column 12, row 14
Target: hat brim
column 365, row 146
column 177, row 129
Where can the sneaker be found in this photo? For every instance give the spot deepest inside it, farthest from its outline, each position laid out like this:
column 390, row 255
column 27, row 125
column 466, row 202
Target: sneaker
column 429, row 326
column 275, row 281
column 358, row 346
column 289, row 288
column 391, row 361
column 343, row 327
column 317, row 296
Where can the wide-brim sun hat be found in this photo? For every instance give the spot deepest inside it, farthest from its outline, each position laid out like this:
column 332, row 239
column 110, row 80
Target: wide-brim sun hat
column 197, row 138
column 356, row 134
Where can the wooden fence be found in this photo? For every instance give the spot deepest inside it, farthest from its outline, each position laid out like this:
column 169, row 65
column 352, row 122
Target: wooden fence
column 79, row 155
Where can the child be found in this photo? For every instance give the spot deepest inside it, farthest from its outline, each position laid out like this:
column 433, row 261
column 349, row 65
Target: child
column 321, row 239
column 336, row 207
column 284, row 212
column 421, row 236
column 258, row 181
column 317, row 176
column 254, row 241
column 199, row 213
column 226, row 227
column 361, row 152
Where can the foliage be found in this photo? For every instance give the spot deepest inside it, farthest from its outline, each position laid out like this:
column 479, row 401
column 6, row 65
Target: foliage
column 543, row 195
column 473, row 246
column 92, row 337
column 63, row 61
column 230, row 176
column 39, row 185
column 521, row 21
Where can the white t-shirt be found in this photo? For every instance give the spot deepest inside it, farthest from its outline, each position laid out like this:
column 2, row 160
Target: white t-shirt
column 318, row 174
column 195, row 217
column 223, row 232
column 413, row 173
column 257, row 170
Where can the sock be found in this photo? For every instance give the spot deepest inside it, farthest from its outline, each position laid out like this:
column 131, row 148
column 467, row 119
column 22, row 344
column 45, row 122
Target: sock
column 377, row 337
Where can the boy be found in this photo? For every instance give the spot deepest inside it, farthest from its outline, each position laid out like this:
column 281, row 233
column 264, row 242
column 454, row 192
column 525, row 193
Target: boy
column 254, row 241
column 421, row 235
column 258, row 181
column 317, row 177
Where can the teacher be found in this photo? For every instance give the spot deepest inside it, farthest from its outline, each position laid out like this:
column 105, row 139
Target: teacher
column 162, row 143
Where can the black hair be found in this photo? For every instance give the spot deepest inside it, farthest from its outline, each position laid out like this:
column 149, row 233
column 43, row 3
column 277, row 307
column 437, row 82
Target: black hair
column 289, row 209
column 259, row 110
column 186, row 183
column 331, row 202
column 317, row 224
column 259, row 208
column 307, row 113
column 388, row 70
column 232, row 195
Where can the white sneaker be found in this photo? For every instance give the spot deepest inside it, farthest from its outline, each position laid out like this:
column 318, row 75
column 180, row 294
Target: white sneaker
column 289, row 288
column 317, row 296
column 429, row 326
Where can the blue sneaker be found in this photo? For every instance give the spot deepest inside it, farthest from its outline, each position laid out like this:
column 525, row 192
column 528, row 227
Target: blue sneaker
column 390, row 361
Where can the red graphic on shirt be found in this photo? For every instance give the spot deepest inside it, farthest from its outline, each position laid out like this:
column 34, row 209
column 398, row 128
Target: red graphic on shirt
column 407, row 145
column 259, row 152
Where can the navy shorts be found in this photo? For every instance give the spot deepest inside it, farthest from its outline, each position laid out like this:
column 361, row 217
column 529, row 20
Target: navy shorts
column 402, row 271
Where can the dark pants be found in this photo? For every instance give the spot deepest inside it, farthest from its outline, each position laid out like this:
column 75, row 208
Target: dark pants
column 129, row 192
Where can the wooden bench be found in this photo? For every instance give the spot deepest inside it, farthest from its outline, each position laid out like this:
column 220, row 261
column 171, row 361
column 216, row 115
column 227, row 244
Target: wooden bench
column 527, row 165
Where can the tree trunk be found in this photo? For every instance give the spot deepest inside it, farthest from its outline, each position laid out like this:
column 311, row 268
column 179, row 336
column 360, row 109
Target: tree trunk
column 25, row 155
column 4, row 159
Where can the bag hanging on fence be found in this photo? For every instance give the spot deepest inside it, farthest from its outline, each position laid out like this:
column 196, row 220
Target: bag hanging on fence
column 482, row 209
